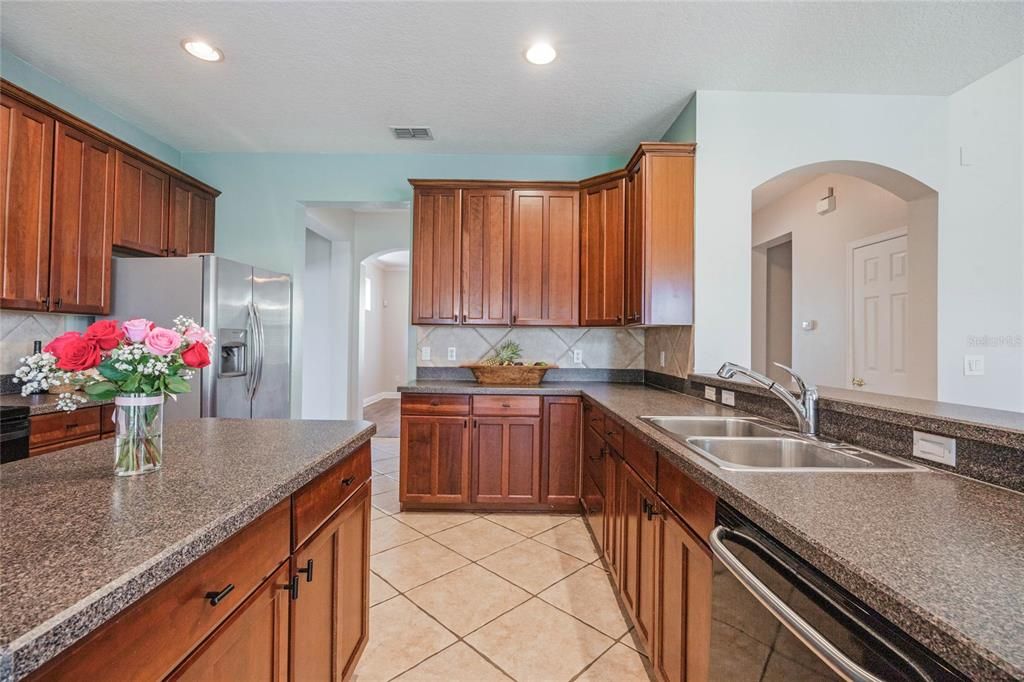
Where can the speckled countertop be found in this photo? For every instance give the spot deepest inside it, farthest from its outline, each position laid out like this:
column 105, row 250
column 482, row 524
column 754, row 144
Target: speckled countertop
column 939, row 555
column 78, row 544
column 44, row 403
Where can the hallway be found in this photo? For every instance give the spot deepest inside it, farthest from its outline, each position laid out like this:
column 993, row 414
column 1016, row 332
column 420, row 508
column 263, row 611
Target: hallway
column 386, row 414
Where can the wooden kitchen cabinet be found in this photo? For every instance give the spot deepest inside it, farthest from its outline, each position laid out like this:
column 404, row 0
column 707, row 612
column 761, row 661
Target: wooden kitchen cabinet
column 506, row 460
column 435, row 460
column 682, row 640
column 545, row 257
column 633, row 265
column 602, row 248
column 436, row 256
column 191, row 220
column 560, row 452
column 486, row 256
column 141, row 195
column 82, row 224
column 329, row 623
column 252, row 645
column 26, row 150
column 639, row 507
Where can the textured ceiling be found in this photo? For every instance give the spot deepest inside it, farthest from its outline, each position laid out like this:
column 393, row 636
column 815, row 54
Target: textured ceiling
column 331, row 76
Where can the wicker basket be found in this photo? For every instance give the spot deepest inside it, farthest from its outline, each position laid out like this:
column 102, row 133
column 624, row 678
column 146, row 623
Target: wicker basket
column 510, row 375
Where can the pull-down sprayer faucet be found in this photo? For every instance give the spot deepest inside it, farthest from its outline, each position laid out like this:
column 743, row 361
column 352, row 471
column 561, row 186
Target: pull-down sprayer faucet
column 805, row 408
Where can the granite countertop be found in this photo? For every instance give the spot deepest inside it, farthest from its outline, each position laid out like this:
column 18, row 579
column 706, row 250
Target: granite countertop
column 45, row 403
column 79, row 544
column 940, row 555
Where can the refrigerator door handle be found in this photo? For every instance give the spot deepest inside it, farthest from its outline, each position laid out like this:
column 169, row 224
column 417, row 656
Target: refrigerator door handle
column 258, row 371
column 253, row 351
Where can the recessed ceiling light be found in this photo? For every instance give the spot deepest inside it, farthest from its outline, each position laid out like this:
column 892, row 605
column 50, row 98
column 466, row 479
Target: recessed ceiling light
column 541, row 53
column 201, row 50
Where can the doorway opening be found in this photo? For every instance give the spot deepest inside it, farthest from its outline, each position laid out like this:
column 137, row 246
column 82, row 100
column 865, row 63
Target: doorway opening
column 383, row 337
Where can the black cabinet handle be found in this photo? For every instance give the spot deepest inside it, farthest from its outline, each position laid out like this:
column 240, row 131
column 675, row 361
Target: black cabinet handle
column 58, row 302
column 308, row 570
column 348, row 481
column 435, row 403
column 506, row 405
column 292, row 587
column 217, row 597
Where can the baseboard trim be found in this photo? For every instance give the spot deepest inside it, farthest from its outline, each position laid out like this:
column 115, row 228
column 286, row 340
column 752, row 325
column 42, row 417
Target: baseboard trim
column 383, row 395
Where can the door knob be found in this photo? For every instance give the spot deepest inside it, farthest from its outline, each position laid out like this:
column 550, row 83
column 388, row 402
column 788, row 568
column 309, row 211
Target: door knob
column 858, row 382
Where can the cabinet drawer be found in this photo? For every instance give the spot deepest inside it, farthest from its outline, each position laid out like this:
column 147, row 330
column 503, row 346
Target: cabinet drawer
column 594, row 418
column 506, row 405
column 439, row 404
column 642, row 458
column 317, row 500
column 47, row 429
column 107, row 425
column 693, row 503
column 613, row 433
column 151, row 637
column 61, row 445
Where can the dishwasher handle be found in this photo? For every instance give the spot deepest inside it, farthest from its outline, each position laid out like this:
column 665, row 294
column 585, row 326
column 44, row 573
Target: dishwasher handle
column 814, row 640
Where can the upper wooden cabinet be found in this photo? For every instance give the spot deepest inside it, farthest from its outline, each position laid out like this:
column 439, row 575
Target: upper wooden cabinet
column 26, row 181
column 436, row 253
column 602, row 263
column 190, row 228
column 82, row 223
column 141, row 195
column 633, row 271
column 486, row 262
column 545, row 257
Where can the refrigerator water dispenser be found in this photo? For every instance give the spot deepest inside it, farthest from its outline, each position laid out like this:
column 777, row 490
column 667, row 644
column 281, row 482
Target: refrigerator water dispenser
column 234, row 361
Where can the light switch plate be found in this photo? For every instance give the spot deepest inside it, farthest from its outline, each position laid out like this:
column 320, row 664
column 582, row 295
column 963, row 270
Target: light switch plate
column 935, row 448
column 425, row 353
column 728, row 398
column 577, row 356
column 709, row 392
column 974, row 365
column 451, row 352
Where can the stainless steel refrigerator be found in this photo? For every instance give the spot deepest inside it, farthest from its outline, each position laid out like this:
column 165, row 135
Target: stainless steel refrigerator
column 246, row 308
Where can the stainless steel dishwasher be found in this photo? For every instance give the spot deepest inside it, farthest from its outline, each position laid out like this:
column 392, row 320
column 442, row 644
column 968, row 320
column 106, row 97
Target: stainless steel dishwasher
column 775, row 617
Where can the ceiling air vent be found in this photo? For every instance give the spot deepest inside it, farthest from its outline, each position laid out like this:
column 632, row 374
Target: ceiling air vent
column 412, row 133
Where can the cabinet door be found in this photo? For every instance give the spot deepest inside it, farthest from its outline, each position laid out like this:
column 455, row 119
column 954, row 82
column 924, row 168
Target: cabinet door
column 436, row 251
column 506, row 460
column 486, row 256
column 200, row 223
column 545, row 257
column 639, row 508
column 178, row 219
column 26, row 181
column 668, row 236
column 613, row 517
column 141, row 195
column 329, row 619
column 595, row 508
column 682, row 642
column 435, row 459
column 603, row 233
column 561, row 451
column 634, row 260
column 251, row 645
column 83, row 223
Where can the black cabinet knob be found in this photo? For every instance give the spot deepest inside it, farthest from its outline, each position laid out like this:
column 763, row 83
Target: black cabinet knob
column 348, row 481
column 217, row 597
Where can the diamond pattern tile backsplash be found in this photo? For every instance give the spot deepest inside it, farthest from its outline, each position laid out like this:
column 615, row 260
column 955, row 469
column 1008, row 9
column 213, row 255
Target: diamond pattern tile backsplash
column 19, row 330
column 677, row 345
column 602, row 348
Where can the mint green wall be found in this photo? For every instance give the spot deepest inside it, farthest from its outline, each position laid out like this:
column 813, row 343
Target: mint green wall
column 26, row 76
column 684, row 128
column 259, row 214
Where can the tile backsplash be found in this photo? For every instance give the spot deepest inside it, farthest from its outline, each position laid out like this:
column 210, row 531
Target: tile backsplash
column 601, row 348
column 677, row 345
column 18, row 330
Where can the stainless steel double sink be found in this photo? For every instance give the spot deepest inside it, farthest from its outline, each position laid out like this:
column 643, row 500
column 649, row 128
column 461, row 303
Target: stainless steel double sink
column 753, row 444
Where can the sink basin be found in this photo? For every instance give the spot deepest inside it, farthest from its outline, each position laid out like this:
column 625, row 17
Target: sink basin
column 682, row 428
column 793, row 454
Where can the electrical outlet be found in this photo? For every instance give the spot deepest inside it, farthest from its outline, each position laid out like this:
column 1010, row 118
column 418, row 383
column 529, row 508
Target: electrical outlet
column 661, row 358
column 728, row 398
column 935, row 448
column 577, row 356
column 425, row 353
column 709, row 392
column 451, row 352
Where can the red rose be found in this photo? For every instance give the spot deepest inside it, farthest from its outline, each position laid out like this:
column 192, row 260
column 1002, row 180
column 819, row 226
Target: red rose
column 196, row 356
column 106, row 334
column 78, row 355
column 55, row 346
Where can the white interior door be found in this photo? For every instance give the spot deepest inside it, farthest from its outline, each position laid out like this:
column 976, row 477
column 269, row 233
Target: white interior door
column 881, row 317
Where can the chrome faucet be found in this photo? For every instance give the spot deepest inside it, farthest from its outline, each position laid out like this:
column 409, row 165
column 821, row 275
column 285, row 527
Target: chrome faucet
column 805, row 408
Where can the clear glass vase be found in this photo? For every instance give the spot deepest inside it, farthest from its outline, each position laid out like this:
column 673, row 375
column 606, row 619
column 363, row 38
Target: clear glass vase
column 139, row 440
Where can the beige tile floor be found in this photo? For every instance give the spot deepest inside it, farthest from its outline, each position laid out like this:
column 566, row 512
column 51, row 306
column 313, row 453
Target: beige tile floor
column 462, row 597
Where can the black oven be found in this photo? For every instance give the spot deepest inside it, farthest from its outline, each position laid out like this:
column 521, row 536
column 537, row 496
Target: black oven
column 775, row 617
column 13, row 433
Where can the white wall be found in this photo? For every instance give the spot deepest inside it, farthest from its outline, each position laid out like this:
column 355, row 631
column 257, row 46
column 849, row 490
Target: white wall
column 747, row 138
column 397, row 330
column 371, row 331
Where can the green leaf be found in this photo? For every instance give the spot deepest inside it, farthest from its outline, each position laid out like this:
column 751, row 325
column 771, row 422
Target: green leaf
column 131, row 383
column 177, row 384
column 100, row 387
column 108, row 370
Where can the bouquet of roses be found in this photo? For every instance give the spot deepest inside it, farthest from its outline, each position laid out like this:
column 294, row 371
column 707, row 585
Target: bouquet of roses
column 112, row 358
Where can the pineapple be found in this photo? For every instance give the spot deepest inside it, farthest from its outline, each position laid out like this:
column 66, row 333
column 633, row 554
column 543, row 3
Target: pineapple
column 507, row 353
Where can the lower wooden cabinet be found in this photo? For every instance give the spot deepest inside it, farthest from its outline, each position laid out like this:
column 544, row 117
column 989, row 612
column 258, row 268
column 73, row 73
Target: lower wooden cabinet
column 506, row 460
column 638, row 507
column 60, row 430
column 560, row 454
column 252, row 645
column 434, row 460
column 329, row 625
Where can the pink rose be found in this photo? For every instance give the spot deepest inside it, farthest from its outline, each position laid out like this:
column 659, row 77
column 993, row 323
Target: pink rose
column 197, row 334
column 160, row 341
column 137, row 329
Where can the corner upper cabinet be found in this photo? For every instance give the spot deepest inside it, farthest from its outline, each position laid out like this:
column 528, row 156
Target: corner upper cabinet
column 82, row 227
column 486, row 262
column 141, row 194
column 436, row 256
column 191, row 220
column 545, row 257
column 659, row 229
column 26, row 150
column 603, row 232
